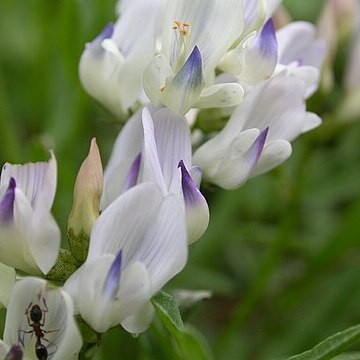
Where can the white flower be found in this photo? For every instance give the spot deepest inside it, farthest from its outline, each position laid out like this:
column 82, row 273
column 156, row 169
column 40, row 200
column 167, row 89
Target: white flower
column 61, row 340
column 111, row 66
column 8, row 277
column 137, row 245
column 192, row 40
column 257, row 136
column 255, row 58
column 29, row 235
column 294, row 49
column 301, row 53
column 157, row 148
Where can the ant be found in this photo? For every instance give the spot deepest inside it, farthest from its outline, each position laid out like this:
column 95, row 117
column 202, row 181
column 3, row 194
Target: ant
column 36, row 317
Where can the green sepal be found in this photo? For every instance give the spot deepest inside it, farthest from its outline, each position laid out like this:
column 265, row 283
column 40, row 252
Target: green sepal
column 211, row 120
column 65, row 265
column 79, row 245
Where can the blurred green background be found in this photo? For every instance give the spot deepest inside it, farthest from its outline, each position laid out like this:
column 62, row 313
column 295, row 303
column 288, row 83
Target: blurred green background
column 281, row 255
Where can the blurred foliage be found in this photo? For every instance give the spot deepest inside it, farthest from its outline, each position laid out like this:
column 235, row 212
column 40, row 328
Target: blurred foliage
column 281, row 254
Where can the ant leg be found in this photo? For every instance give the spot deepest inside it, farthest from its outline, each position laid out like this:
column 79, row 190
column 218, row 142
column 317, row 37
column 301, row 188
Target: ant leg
column 51, row 345
column 44, row 311
column 27, row 311
column 21, row 338
column 49, row 331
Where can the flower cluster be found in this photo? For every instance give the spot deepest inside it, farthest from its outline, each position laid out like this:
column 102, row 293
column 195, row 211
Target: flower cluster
column 130, row 228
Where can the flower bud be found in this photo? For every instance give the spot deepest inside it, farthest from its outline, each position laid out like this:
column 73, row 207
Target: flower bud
column 15, row 353
column 87, row 194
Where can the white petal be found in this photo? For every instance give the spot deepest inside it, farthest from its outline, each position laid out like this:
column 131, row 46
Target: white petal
column 311, row 122
column 153, row 234
column 64, row 340
column 308, row 74
column 196, row 175
column 282, row 110
column 8, row 277
column 214, row 154
column 164, row 249
column 297, row 42
column 36, row 180
column 140, row 321
column 155, row 76
column 273, row 154
column 238, row 165
column 98, row 311
column 173, row 144
column 187, row 298
column 127, row 146
column 271, row 6
column 260, row 57
column 123, row 224
column 254, row 14
column 207, row 19
column 196, row 207
column 17, row 252
column 44, row 239
column 99, row 72
column 221, row 95
column 4, row 349
column 183, row 90
column 152, row 171
column 37, row 234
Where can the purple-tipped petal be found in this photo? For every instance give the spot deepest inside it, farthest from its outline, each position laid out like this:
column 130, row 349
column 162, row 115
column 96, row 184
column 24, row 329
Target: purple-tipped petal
column 261, row 57
column 256, row 149
column 196, row 208
column 7, row 203
column 106, row 33
column 267, row 43
column 112, row 281
column 15, row 353
column 191, row 74
column 190, row 191
column 182, row 92
column 133, row 175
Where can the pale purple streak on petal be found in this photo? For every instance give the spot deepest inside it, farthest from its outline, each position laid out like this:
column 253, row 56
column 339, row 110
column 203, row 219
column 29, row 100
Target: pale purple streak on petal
column 191, row 193
column 133, row 175
column 191, row 74
column 256, row 149
column 106, row 33
column 112, row 281
column 15, row 353
column 266, row 43
column 300, row 62
column 7, row 203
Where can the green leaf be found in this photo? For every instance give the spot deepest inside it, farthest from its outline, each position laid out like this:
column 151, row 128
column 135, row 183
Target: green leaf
column 191, row 343
column 168, row 311
column 332, row 346
column 349, row 356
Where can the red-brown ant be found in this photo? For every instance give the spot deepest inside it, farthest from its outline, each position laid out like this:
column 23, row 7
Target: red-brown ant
column 36, row 320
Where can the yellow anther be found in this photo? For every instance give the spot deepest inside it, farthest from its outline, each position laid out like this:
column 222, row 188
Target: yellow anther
column 183, row 28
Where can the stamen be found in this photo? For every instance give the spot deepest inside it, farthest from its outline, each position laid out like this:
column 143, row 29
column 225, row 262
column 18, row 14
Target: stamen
column 181, row 42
